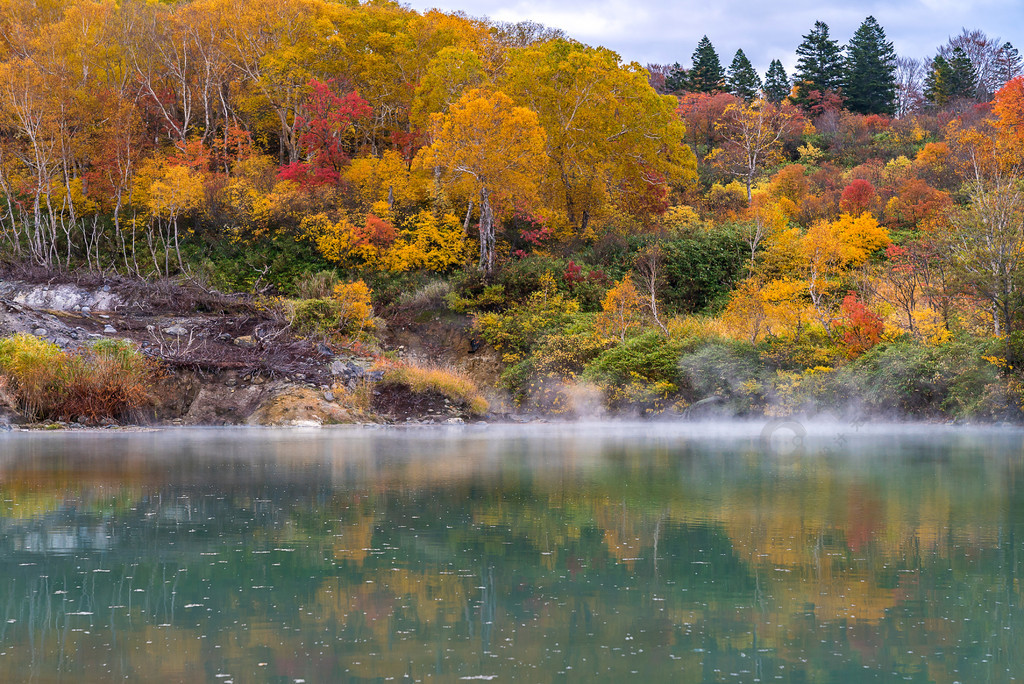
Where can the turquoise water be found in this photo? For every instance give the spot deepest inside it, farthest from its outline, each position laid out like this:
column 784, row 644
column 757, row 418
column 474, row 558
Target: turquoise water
column 611, row 552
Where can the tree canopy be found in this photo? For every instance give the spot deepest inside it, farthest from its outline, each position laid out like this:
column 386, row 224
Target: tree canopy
column 869, row 85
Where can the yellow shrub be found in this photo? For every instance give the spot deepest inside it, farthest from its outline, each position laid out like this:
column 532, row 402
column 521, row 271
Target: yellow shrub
column 355, row 309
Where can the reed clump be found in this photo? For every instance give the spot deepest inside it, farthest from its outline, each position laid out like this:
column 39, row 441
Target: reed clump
column 106, row 379
column 453, row 384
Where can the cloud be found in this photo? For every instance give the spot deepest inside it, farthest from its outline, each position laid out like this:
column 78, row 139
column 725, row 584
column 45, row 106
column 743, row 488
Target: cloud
column 667, row 31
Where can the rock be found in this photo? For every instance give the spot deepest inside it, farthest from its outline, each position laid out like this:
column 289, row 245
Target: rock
column 109, row 330
column 329, row 396
column 245, row 342
column 298, row 407
column 39, row 332
column 454, row 421
column 85, row 311
column 176, row 330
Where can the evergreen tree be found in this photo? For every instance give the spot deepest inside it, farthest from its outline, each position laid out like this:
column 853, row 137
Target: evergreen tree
column 776, row 82
column 1007, row 64
column 870, row 78
column 707, row 74
column 963, row 76
column 677, row 79
column 743, row 81
column 950, row 80
column 819, row 67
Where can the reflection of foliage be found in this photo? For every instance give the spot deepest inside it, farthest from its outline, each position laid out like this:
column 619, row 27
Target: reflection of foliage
column 687, row 547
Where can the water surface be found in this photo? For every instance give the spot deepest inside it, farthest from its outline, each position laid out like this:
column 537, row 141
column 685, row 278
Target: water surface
column 711, row 552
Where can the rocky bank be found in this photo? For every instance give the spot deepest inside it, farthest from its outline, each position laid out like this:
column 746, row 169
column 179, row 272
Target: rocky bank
column 226, row 360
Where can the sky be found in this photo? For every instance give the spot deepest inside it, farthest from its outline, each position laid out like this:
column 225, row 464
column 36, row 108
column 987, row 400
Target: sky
column 667, row 31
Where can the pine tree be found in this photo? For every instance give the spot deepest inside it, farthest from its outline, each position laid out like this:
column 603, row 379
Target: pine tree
column 776, row 82
column 819, row 68
column 742, row 80
column 1007, row 64
column 707, row 74
column 950, row 80
column 677, row 79
column 870, row 78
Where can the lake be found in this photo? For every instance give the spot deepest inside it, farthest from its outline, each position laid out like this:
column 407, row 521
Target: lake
column 715, row 552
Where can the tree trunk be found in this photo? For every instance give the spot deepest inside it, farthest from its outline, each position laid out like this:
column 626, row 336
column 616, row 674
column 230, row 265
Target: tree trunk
column 469, row 215
column 486, row 231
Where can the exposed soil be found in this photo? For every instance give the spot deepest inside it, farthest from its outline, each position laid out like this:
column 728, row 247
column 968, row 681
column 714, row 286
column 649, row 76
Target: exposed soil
column 229, row 361
column 396, row 402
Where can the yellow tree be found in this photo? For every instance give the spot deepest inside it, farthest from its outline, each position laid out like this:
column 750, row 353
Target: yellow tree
column 621, row 310
column 753, row 136
column 612, row 140
column 495, row 145
column 277, row 46
column 174, row 192
column 829, row 248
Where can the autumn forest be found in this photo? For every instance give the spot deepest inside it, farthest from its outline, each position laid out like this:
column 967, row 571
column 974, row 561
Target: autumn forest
column 657, row 238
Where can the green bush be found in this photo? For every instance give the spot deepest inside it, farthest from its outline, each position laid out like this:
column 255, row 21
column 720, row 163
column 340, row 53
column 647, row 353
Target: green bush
column 644, row 370
column 517, row 331
column 701, row 266
column 909, row 379
column 730, row 370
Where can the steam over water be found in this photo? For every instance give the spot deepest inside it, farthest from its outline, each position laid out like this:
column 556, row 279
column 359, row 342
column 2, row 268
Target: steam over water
column 780, row 551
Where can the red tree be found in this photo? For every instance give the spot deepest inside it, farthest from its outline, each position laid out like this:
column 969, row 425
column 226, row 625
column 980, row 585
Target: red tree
column 324, row 124
column 858, row 197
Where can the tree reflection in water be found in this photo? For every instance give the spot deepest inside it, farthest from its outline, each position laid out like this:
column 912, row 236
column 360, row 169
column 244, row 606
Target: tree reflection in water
column 583, row 552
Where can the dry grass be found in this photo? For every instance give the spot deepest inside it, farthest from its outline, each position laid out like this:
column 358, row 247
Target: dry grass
column 430, row 296
column 452, row 383
column 105, row 380
column 358, row 398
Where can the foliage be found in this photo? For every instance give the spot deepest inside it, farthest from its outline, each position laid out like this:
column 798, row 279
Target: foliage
column 908, row 379
column 870, row 74
column 818, row 69
column 621, row 310
column 108, row 379
column 706, row 75
column 729, row 371
column 861, row 327
column 776, row 82
column 347, row 311
column 495, row 145
column 522, row 326
column 642, row 371
column 742, row 79
column 701, row 267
